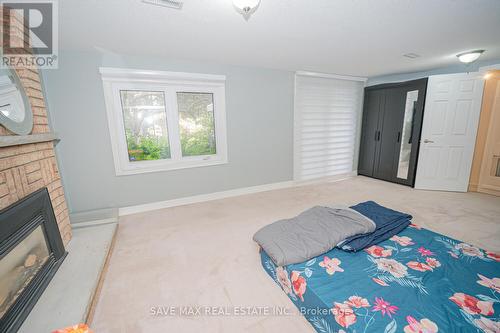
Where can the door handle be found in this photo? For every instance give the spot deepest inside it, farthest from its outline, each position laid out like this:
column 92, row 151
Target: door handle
column 428, row 141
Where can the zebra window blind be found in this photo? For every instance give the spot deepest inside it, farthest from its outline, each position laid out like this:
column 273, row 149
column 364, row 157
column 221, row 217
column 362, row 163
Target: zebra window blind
column 326, row 116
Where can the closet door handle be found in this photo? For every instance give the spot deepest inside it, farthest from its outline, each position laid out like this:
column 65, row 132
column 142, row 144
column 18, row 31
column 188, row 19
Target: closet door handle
column 377, row 136
column 399, row 136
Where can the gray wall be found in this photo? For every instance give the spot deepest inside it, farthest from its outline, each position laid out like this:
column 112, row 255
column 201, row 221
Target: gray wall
column 259, row 111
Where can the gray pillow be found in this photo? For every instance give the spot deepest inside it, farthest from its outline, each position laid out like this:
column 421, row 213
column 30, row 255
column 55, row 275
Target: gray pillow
column 311, row 233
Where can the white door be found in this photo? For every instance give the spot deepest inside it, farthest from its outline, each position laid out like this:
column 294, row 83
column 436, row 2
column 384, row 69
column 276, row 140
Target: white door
column 451, row 116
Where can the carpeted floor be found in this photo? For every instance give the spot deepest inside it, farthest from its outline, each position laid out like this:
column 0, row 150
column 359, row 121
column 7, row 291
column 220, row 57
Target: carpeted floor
column 203, row 254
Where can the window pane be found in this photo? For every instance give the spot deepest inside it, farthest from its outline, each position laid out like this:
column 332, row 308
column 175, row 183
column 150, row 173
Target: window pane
column 196, row 123
column 145, row 125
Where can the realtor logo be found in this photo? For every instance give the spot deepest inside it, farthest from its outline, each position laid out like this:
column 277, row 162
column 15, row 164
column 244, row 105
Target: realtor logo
column 29, row 33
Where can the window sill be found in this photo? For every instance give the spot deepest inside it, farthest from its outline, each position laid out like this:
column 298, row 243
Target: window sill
column 167, row 166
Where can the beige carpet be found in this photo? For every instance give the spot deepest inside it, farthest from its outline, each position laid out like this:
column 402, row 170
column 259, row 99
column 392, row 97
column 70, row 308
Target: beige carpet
column 203, row 254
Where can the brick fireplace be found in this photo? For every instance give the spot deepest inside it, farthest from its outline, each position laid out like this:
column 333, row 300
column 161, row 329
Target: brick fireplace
column 33, row 211
column 35, row 226
column 26, row 168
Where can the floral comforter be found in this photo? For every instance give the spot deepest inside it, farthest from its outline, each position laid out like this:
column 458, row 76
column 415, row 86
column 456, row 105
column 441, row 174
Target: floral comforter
column 418, row 281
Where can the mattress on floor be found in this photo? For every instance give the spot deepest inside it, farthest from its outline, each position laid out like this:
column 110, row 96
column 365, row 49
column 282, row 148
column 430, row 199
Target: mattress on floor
column 418, row 281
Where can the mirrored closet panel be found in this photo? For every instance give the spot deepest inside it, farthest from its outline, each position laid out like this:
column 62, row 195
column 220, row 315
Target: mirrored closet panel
column 407, row 134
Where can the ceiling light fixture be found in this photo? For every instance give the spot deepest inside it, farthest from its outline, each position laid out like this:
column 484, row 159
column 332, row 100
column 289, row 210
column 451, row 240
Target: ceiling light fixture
column 246, row 7
column 468, row 57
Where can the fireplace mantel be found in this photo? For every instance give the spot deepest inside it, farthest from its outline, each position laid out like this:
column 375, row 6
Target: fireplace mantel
column 16, row 140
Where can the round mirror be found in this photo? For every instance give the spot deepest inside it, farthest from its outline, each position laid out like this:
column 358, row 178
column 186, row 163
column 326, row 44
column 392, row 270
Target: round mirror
column 15, row 108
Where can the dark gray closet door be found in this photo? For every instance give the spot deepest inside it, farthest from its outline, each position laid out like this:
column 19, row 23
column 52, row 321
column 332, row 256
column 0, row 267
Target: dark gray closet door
column 369, row 132
column 392, row 118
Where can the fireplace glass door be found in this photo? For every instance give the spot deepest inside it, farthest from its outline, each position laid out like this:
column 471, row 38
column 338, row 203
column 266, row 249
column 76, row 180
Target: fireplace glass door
column 31, row 251
column 20, row 265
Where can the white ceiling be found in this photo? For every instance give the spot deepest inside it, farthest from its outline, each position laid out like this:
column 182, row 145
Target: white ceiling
column 350, row 37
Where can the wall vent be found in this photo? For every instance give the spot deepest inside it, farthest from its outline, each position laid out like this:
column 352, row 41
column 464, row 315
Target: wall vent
column 165, row 3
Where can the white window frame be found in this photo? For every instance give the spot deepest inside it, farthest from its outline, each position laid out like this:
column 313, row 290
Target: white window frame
column 117, row 79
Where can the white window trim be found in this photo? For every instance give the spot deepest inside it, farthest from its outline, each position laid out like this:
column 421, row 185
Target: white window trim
column 116, row 79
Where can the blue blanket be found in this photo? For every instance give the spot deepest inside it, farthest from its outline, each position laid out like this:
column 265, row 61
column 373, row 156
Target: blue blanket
column 417, row 281
column 388, row 223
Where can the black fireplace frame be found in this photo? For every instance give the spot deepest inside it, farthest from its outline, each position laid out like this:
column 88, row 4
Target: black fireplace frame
column 17, row 222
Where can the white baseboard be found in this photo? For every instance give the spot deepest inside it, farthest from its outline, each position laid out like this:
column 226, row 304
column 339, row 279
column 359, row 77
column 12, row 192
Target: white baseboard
column 202, row 197
column 226, row 194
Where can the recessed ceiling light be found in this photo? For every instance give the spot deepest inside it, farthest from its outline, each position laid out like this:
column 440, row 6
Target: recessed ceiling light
column 411, row 55
column 471, row 56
